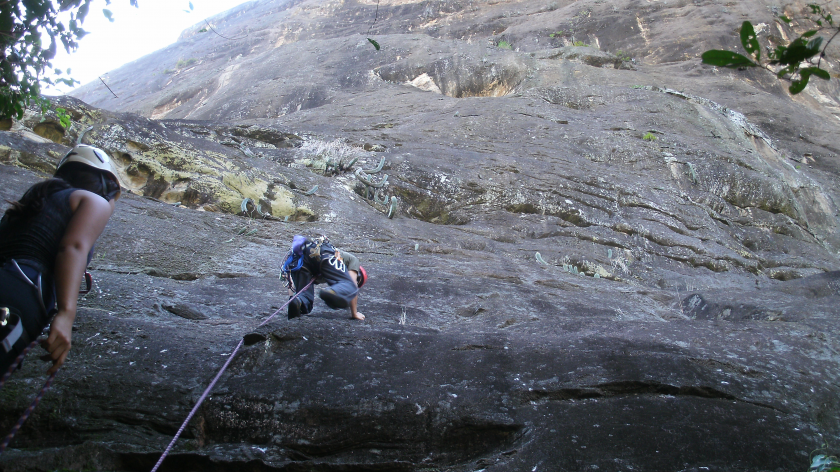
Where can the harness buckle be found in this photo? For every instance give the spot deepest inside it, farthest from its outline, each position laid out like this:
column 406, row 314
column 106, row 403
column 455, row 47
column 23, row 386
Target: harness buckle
column 4, row 316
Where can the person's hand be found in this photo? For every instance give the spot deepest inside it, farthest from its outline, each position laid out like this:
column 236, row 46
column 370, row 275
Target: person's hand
column 58, row 342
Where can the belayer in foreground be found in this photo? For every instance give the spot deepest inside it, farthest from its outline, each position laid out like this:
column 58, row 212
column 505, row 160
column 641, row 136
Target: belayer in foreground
column 321, row 261
column 46, row 243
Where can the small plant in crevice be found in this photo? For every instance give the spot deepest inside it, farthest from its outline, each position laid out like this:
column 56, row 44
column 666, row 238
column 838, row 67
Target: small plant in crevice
column 250, row 208
column 185, row 62
column 580, row 44
column 376, row 191
column 504, row 44
column 63, row 117
column 624, row 56
column 649, row 137
column 692, row 172
column 337, row 155
column 821, row 461
column 61, row 113
column 619, row 262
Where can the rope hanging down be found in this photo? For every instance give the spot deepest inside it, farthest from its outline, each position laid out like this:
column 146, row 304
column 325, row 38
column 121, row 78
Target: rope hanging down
column 109, row 88
column 220, row 34
column 34, row 403
column 216, row 379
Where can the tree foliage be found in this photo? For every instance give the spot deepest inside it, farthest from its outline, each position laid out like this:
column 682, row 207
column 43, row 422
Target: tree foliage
column 31, row 31
column 795, row 62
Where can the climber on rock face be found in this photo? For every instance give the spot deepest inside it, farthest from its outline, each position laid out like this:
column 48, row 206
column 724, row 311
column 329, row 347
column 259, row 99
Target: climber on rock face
column 319, row 260
column 46, row 242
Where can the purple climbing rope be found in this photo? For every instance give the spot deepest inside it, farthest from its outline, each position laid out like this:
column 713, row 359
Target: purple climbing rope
column 28, row 412
column 34, row 403
column 216, row 379
column 17, row 361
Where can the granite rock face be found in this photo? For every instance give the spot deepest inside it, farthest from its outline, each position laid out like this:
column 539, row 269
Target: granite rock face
column 587, row 251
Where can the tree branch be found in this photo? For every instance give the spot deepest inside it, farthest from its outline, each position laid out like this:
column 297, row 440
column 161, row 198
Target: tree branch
column 822, row 54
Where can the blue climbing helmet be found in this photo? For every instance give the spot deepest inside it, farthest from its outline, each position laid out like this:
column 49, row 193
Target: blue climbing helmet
column 293, row 260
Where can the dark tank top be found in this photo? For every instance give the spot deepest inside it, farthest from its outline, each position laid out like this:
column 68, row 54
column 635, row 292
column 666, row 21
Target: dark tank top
column 35, row 241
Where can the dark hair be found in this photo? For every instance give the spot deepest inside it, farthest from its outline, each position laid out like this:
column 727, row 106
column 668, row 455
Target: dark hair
column 70, row 175
column 88, row 178
column 31, row 203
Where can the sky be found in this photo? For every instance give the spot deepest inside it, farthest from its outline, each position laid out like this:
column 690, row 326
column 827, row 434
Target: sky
column 134, row 33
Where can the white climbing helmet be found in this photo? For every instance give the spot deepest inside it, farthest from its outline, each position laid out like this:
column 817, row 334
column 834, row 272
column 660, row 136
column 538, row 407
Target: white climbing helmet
column 93, row 157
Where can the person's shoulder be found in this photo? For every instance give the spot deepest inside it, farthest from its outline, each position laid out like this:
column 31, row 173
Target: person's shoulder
column 76, row 196
column 350, row 260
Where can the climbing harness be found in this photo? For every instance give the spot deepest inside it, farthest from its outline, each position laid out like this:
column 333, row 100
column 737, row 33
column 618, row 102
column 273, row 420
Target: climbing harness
column 15, row 327
column 314, row 247
column 294, row 258
column 216, row 379
column 9, row 317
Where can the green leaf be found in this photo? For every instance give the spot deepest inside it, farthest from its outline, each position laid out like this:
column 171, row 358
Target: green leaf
column 750, row 41
column 375, row 44
column 820, row 460
column 821, row 73
column 720, row 58
column 808, row 34
column 82, row 12
column 798, row 51
column 108, row 14
column 784, row 18
column 797, row 86
column 785, row 71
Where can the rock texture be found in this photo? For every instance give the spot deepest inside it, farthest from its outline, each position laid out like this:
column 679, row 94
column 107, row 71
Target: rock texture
column 603, row 256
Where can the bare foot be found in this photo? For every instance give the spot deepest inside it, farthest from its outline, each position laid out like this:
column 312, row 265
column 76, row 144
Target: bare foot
column 358, row 316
